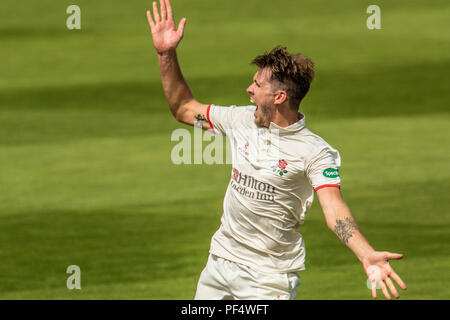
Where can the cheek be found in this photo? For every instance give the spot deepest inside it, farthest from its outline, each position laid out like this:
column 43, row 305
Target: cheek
column 266, row 96
column 264, row 110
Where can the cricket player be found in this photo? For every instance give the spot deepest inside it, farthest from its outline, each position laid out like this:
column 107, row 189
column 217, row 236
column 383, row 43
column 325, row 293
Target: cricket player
column 278, row 165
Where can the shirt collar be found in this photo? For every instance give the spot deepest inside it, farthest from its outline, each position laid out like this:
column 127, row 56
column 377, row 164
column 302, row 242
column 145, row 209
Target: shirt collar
column 293, row 128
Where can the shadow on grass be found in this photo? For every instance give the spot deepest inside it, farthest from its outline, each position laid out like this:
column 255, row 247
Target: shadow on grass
column 110, row 246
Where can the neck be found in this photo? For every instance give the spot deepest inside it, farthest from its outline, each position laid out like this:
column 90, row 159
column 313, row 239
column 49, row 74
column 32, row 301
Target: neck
column 285, row 116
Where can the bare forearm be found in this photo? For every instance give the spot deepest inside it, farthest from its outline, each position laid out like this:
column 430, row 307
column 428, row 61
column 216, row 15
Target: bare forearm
column 342, row 223
column 175, row 88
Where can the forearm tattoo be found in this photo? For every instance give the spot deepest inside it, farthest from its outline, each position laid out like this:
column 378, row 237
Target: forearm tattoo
column 345, row 229
column 199, row 118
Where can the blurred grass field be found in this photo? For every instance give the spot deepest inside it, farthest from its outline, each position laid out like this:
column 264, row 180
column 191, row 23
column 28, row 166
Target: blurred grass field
column 86, row 177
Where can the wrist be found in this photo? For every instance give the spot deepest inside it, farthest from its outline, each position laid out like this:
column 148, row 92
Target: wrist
column 364, row 256
column 166, row 53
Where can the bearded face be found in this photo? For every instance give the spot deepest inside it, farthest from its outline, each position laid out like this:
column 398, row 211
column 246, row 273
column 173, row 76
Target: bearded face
column 262, row 94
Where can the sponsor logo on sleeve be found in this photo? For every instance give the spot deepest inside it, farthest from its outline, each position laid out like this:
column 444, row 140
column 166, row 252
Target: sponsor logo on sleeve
column 331, row 173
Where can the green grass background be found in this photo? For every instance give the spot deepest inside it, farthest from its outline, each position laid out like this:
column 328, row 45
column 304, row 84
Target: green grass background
column 85, row 170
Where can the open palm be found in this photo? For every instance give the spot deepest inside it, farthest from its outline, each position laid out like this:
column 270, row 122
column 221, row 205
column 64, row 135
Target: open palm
column 165, row 36
column 379, row 271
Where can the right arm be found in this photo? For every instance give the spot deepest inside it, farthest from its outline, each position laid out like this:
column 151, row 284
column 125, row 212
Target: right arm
column 166, row 38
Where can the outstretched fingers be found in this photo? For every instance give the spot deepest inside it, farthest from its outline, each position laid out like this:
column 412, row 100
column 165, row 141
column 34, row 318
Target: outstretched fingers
column 150, row 20
column 169, row 10
column 392, row 287
column 374, row 288
column 385, row 291
column 392, row 256
column 155, row 12
column 162, row 4
column 397, row 279
column 392, row 274
column 181, row 25
column 164, row 32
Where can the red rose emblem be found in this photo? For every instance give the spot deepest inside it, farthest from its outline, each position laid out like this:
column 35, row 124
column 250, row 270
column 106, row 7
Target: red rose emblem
column 282, row 164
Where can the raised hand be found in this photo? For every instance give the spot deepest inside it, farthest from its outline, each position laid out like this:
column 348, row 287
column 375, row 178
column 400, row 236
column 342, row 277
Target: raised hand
column 165, row 36
column 379, row 271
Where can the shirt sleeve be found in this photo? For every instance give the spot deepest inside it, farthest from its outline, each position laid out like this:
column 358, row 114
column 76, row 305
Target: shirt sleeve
column 323, row 169
column 221, row 119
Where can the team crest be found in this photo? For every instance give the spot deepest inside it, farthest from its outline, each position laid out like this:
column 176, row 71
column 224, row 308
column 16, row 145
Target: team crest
column 280, row 168
column 245, row 149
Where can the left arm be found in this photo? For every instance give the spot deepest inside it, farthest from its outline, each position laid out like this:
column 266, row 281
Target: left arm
column 340, row 220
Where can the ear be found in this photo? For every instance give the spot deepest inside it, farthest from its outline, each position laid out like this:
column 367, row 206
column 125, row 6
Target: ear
column 280, row 97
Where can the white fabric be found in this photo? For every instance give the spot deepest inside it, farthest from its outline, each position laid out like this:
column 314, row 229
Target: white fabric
column 264, row 206
column 226, row 280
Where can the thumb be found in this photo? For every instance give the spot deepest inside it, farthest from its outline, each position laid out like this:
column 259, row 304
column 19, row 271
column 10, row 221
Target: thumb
column 181, row 25
column 395, row 256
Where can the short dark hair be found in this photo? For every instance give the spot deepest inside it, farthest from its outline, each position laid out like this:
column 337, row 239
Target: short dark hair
column 294, row 72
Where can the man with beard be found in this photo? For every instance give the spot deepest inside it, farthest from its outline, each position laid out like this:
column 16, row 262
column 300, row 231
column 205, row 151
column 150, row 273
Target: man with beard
column 278, row 164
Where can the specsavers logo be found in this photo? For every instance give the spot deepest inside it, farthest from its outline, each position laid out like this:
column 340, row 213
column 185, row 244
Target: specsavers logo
column 331, row 173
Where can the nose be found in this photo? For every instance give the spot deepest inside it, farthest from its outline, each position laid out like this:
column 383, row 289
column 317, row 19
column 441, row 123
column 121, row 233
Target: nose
column 249, row 89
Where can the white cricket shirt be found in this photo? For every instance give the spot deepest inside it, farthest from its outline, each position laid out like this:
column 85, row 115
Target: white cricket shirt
column 274, row 174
